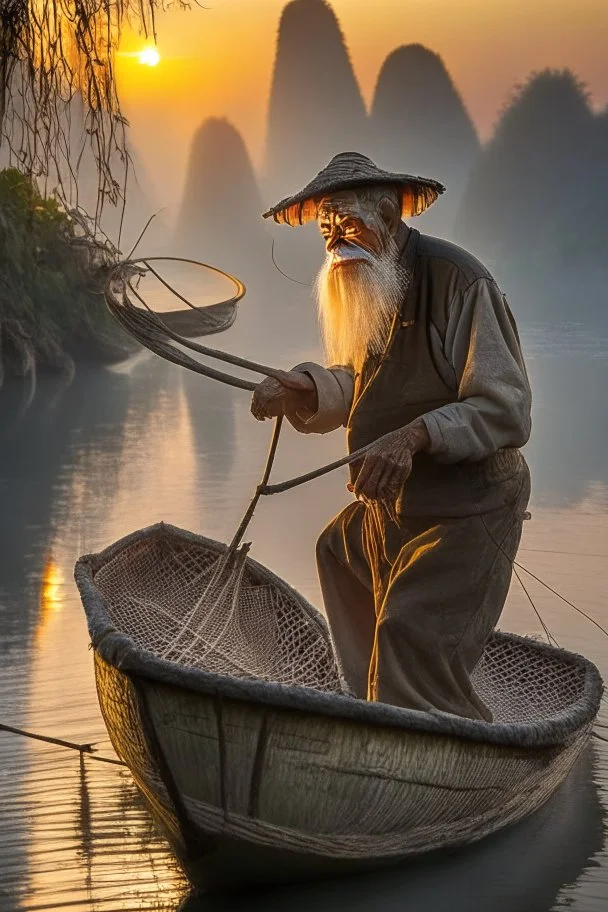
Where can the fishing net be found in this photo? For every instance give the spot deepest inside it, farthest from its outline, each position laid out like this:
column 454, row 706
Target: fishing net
column 193, row 604
column 521, row 684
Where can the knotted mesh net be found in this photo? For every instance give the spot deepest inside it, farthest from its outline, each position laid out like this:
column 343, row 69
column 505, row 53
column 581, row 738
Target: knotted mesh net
column 189, row 603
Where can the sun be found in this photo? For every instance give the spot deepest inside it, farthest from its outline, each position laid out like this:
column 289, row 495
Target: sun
column 149, row 56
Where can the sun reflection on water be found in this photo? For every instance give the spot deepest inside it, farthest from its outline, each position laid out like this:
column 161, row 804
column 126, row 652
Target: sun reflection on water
column 51, row 595
column 89, row 814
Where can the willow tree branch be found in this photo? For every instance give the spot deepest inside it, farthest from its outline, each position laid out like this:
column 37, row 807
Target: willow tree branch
column 56, row 61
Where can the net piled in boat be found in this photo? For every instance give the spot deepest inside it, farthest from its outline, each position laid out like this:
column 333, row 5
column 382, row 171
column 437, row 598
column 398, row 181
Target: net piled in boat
column 522, row 685
column 183, row 602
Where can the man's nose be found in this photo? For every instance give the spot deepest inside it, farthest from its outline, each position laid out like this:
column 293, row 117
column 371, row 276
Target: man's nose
column 334, row 238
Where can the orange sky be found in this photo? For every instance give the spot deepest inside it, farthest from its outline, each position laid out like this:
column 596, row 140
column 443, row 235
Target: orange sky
column 218, row 61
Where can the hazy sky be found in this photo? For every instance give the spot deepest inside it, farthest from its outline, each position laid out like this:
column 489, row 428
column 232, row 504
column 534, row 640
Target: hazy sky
column 218, row 60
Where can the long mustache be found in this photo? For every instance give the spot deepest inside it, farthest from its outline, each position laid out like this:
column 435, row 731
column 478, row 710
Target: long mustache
column 347, row 251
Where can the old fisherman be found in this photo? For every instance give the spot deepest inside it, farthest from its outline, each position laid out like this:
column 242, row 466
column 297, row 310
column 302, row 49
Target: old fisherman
column 424, row 364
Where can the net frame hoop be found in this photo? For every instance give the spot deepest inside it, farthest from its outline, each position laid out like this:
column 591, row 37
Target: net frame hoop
column 149, row 332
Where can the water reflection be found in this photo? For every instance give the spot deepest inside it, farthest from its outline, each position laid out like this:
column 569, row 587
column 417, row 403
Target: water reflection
column 567, row 451
column 84, row 465
column 90, row 842
column 519, row 870
column 50, row 596
column 211, row 413
column 41, row 447
column 59, row 461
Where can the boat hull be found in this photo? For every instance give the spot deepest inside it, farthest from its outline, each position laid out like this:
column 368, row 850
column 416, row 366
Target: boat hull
column 259, row 778
column 254, row 793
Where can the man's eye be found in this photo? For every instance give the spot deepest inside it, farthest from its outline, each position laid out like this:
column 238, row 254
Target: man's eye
column 350, row 229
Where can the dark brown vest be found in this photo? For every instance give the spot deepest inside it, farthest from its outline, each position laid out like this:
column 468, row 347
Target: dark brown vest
column 403, row 384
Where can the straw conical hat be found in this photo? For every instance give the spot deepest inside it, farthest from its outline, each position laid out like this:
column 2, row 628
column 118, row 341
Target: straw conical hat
column 349, row 170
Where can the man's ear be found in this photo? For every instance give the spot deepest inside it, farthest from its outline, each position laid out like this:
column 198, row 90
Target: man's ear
column 390, row 214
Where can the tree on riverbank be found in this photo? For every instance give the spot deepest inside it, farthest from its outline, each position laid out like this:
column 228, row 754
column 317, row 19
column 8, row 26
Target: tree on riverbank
column 51, row 310
column 420, row 125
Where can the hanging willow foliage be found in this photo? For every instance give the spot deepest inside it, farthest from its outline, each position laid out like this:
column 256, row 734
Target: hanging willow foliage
column 58, row 95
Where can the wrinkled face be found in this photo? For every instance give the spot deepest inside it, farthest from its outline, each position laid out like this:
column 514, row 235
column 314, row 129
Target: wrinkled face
column 357, row 226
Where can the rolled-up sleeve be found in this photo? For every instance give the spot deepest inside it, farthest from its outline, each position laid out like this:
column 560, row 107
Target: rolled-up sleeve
column 494, row 398
column 335, row 386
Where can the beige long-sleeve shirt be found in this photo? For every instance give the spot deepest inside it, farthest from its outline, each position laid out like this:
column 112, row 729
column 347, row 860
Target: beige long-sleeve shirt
column 476, row 350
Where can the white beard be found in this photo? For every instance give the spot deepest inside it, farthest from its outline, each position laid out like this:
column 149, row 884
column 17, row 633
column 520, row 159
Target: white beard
column 357, row 304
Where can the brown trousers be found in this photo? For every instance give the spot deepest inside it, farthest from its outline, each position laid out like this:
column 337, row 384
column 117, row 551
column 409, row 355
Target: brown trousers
column 411, row 607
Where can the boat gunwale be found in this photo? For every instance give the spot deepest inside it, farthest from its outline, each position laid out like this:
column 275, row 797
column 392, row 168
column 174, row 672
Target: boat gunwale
column 120, row 651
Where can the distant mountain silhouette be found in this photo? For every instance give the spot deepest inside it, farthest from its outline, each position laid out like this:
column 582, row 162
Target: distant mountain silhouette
column 527, row 184
column 220, row 216
column 529, row 207
column 595, row 198
column 420, row 125
column 315, row 108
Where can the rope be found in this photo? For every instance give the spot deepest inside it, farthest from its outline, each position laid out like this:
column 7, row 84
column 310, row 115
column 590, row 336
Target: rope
column 149, row 333
column 278, row 268
column 236, row 360
column 550, row 638
column 545, row 628
column 563, row 598
column 152, row 330
column 238, row 535
column 224, row 587
column 515, row 564
column 71, row 745
column 548, row 634
column 317, row 473
column 148, row 328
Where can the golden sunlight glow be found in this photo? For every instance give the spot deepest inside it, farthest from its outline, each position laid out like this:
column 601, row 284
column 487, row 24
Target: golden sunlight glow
column 50, row 594
column 149, row 56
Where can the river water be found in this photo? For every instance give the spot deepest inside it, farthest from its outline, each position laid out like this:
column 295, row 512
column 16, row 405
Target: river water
column 122, row 448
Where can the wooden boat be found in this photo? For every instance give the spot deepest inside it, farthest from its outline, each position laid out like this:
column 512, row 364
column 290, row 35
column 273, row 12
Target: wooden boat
column 256, row 781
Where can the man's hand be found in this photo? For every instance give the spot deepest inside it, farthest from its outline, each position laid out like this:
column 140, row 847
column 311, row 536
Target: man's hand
column 294, row 391
column 386, row 466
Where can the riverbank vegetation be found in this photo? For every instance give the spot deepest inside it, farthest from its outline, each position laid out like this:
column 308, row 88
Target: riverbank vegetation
column 52, row 311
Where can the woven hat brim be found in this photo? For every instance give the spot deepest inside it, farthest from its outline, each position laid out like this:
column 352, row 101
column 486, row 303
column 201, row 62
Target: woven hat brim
column 417, row 194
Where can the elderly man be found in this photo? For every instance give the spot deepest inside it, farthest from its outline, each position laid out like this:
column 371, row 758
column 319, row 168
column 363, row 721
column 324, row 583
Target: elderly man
column 426, row 366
